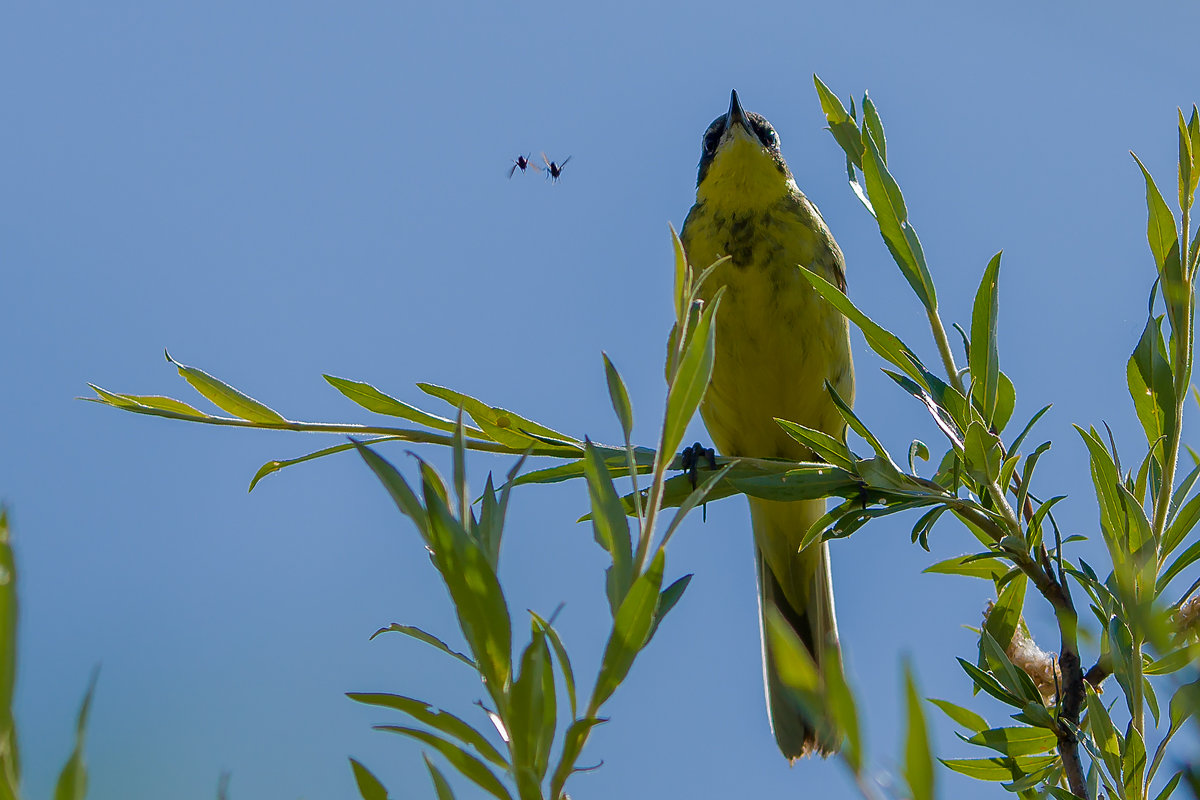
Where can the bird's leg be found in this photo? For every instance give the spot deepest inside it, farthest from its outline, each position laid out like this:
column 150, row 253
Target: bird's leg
column 689, row 460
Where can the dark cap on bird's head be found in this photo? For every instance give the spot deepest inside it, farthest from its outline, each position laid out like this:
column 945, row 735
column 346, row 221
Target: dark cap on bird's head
column 737, row 122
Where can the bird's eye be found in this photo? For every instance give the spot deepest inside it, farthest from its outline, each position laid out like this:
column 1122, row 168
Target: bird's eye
column 711, row 140
column 766, row 135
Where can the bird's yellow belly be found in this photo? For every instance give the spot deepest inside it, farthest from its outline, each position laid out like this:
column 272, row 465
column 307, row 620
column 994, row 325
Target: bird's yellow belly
column 777, row 343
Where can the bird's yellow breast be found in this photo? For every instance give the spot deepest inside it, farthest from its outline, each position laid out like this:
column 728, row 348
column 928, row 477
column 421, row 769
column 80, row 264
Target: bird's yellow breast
column 777, row 341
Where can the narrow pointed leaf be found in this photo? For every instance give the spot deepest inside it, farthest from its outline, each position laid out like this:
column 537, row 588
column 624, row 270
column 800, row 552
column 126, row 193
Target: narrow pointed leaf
column 963, row 716
column 984, row 361
column 619, row 396
column 440, row 785
column 443, row 721
column 370, row 398
column 1016, row 741
column 467, row 765
column 428, row 638
column 631, row 627
column 225, row 397
column 691, row 379
column 369, row 787
column 73, row 780
column 609, row 526
column 918, row 758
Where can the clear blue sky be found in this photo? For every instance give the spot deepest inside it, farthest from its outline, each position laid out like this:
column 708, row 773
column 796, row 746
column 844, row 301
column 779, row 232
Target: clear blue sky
column 274, row 192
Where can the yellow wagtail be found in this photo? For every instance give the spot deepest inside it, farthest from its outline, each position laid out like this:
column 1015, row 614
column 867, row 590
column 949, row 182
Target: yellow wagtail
column 777, row 343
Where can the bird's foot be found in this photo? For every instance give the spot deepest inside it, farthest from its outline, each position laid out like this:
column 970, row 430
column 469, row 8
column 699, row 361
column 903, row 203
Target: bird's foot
column 689, row 460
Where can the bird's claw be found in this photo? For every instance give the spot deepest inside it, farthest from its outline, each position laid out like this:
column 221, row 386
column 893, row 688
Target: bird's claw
column 690, row 458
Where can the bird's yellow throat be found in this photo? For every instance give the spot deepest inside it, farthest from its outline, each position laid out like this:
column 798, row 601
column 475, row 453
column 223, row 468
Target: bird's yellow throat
column 743, row 175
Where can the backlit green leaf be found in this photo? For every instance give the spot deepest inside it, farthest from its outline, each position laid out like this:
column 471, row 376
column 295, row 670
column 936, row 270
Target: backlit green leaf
column 988, row 568
column 225, row 397
column 468, row 765
column 609, row 526
column 631, row 627
column 963, row 716
column 443, row 721
column 1016, row 741
column 691, row 379
column 998, row 769
column 984, row 362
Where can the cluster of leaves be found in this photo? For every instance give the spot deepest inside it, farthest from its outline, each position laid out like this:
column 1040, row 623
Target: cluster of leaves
column 72, row 779
column 985, row 482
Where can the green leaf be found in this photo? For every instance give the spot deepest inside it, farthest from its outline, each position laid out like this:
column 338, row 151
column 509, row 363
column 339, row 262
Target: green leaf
column 468, row 765
column 369, row 786
column 682, row 289
column 10, row 767
column 631, row 628
column 609, row 526
column 1163, row 238
column 1028, row 427
column 72, row 781
column 1151, row 384
column 370, row 398
column 963, row 716
column 874, row 126
column 945, row 419
column 1183, row 524
column 271, row 467
column 1005, row 615
column 560, row 652
column 428, row 638
column 401, row 493
column 989, row 684
column 1016, row 741
column 1006, row 402
column 885, row 343
column 1160, row 229
column 156, row 402
column 499, row 424
column 573, row 741
column 1187, row 165
column 1012, row 678
column 984, row 362
column 691, row 379
column 439, row 781
column 981, row 449
column 839, row 699
column 898, row 235
column 822, row 444
column 1133, row 763
column 918, row 760
column 798, row 673
column 998, row 769
column 437, row 719
column 614, row 459
column 1183, row 561
column 1170, row 787
column 1037, row 715
column 225, row 397
column 476, row 592
column 666, row 601
column 619, row 396
column 841, row 124
column 531, row 713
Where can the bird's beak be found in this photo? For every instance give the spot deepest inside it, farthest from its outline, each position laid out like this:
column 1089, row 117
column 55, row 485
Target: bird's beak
column 736, row 115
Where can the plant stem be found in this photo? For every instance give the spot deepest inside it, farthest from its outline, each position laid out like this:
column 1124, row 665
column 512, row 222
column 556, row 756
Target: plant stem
column 943, row 344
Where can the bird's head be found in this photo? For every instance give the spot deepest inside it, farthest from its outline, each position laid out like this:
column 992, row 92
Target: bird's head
column 740, row 163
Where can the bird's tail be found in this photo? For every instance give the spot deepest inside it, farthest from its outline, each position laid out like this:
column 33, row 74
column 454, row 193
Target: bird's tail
column 798, row 585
